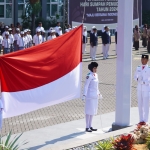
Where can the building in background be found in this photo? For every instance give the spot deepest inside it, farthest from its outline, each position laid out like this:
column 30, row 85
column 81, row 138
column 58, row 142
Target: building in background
column 8, row 13
column 146, row 5
column 11, row 10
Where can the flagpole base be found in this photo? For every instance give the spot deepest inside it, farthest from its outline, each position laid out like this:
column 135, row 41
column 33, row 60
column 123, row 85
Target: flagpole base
column 118, row 127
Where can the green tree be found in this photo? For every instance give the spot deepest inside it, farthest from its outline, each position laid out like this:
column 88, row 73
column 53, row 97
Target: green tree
column 32, row 9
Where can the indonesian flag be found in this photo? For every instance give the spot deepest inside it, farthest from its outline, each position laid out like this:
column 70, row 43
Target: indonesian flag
column 43, row 75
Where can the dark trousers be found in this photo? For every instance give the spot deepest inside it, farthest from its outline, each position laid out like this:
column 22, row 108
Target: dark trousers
column 144, row 42
column 148, row 46
column 136, row 45
column 6, row 50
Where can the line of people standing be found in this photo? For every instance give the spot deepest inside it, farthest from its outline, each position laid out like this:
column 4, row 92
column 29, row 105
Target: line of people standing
column 13, row 39
column 145, row 34
column 106, row 41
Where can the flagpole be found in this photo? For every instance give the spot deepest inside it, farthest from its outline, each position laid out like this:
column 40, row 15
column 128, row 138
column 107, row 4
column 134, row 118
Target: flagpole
column 83, row 13
column 124, row 64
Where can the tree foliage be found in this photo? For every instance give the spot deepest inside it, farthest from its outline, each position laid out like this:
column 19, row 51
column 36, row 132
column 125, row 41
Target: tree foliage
column 146, row 17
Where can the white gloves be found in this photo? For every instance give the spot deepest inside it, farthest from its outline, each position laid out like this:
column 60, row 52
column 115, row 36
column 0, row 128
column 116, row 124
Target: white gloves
column 140, row 79
column 100, row 96
column 83, row 98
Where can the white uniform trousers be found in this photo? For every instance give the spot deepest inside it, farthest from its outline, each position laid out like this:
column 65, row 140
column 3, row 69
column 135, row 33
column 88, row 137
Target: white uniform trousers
column 93, row 52
column 83, row 48
column 105, row 50
column 102, row 49
column 90, row 51
column 143, row 105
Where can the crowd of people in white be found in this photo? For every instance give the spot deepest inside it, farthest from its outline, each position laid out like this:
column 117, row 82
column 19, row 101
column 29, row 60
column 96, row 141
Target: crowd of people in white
column 18, row 40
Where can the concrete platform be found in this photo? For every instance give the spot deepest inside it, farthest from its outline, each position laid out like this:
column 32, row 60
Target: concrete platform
column 72, row 134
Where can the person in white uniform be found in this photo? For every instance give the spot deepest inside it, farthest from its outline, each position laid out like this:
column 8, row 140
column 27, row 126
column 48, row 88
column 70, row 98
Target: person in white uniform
column 91, row 48
column 84, row 39
column 142, row 76
column 11, row 37
column 91, row 95
column 43, row 36
column 40, row 27
column 59, row 33
column 16, row 36
column 21, row 42
column 57, row 28
column 29, row 37
column 6, row 44
column 94, row 43
column 37, row 39
column 52, row 35
column 6, row 30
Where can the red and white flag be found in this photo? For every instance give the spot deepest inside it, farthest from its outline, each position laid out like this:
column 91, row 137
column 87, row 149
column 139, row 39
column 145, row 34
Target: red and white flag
column 43, row 75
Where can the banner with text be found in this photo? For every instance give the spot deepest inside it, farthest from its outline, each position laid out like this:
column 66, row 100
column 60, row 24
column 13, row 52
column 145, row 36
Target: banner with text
column 101, row 12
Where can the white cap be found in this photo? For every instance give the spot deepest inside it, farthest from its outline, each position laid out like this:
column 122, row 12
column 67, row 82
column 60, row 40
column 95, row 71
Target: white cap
column 29, row 30
column 84, row 27
column 10, row 29
column 21, row 32
column 66, row 30
column 52, row 31
column 50, row 28
column 6, row 33
column 6, row 27
column 17, row 29
column 38, row 30
column 93, row 27
column 43, row 31
column 25, row 31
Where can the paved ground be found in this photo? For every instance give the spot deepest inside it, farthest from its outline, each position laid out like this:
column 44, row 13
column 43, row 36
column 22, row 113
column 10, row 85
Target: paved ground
column 72, row 134
column 74, row 110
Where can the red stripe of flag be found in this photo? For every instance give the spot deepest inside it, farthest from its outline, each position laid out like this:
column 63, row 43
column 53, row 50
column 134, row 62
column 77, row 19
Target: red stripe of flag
column 42, row 64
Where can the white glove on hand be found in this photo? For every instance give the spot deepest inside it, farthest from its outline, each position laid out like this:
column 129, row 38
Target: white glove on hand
column 100, row 96
column 140, row 79
column 83, row 98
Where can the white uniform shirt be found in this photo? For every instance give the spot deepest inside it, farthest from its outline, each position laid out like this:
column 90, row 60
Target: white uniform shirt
column 6, row 43
column 16, row 36
column 43, row 38
column 11, row 37
column 57, row 29
column 1, row 39
column 21, row 42
column 29, row 37
column 37, row 39
column 26, row 39
column 3, row 35
column 91, row 86
column 142, row 76
column 51, row 37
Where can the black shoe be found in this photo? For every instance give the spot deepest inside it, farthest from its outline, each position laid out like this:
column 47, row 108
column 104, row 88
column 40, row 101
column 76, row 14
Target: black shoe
column 93, row 129
column 88, row 130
